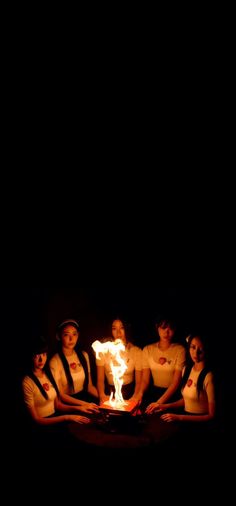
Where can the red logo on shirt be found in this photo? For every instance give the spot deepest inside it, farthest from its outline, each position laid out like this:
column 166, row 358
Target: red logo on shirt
column 73, row 365
column 162, row 360
column 46, row 386
column 189, row 382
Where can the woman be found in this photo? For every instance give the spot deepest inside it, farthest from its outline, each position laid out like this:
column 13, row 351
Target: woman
column 163, row 361
column 43, row 402
column 71, row 369
column 198, row 388
column 132, row 356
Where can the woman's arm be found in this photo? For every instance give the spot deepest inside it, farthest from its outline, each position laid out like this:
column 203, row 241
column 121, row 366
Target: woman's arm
column 171, row 388
column 170, row 417
column 138, row 381
column 101, row 383
column 86, row 407
column 69, row 399
column 56, row 419
column 157, row 406
column 210, row 392
column 91, row 388
column 145, row 380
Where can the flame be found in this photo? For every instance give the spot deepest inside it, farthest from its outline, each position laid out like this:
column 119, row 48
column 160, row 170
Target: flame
column 118, row 368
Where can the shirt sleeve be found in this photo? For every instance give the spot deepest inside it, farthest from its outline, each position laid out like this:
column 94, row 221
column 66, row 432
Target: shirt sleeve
column 145, row 361
column 87, row 360
column 180, row 360
column 28, row 392
column 55, row 369
column 210, row 387
column 138, row 359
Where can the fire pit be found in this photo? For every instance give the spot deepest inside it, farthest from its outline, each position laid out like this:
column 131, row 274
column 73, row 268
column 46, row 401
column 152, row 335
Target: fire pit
column 122, row 419
column 126, row 408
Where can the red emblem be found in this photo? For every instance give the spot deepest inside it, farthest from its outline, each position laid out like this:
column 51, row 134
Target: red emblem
column 162, row 360
column 189, row 382
column 73, row 365
column 46, row 386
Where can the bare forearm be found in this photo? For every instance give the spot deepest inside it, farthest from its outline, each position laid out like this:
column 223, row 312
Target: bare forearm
column 52, row 421
column 101, row 381
column 174, row 405
column 201, row 418
column 137, row 390
column 166, row 396
column 68, row 399
column 92, row 390
column 138, row 380
column 168, row 393
column 144, row 383
column 195, row 418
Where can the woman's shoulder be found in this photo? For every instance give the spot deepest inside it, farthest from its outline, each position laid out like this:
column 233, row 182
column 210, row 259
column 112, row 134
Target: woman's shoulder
column 150, row 347
column 134, row 348
column 54, row 360
column 27, row 382
column 209, row 377
column 178, row 346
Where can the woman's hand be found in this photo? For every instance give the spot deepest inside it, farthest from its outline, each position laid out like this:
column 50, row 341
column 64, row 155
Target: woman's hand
column 104, row 398
column 89, row 407
column 78, row 419
column 153, row 407
column 170, row 417
column 134, row 398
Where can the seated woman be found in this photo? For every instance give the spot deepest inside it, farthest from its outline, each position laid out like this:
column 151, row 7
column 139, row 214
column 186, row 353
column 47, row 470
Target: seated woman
column 42, row 398
column 163, row 362
column 132, row 355
column 198, row 387
column 70, row 367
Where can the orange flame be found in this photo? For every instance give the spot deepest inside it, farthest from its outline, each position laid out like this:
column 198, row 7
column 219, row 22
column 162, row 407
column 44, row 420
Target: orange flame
column 118, row 368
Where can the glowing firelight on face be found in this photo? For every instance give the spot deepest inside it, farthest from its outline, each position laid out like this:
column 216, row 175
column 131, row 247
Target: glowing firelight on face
column 118, row 368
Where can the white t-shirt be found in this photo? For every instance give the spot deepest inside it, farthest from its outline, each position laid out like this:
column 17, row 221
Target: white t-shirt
column 34, row 398
column 163, row 364
column 76, row 370
column 193, row 403
column 132, row 355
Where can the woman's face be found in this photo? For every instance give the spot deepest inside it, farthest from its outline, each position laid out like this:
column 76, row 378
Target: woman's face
column 165, row 332
column 196, row 350
column 39, row 360
column 69, row 336
column 118, row 330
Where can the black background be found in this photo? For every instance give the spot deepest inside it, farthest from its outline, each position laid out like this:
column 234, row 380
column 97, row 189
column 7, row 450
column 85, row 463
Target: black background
column 132, row 250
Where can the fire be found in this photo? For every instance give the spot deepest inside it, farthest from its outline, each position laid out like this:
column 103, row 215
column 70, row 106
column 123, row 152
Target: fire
column 118, row 368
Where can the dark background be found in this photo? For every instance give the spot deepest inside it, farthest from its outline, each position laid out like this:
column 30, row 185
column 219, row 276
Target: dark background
column 132, row 250
column 35, row 306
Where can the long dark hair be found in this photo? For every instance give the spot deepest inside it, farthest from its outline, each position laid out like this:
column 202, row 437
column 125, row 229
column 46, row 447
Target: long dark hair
column 165, row 320
column 189, row 362
column 79, row 352
column 40, row 386
column 127, row 327
column 38, row 346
